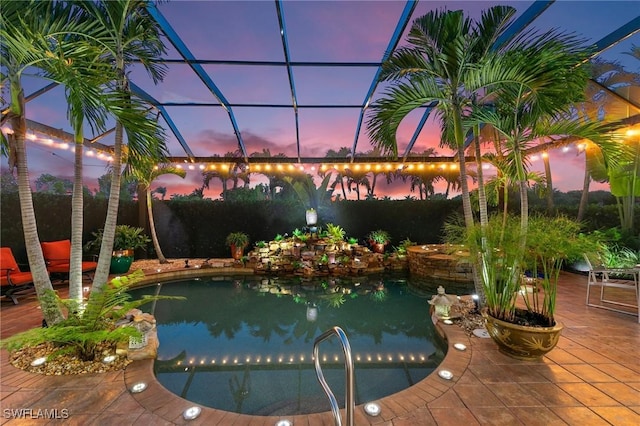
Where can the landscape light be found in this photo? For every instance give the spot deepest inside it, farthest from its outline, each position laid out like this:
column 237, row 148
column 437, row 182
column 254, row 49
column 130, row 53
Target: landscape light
column 138, row 387
column 372, row 409
column 191, row 413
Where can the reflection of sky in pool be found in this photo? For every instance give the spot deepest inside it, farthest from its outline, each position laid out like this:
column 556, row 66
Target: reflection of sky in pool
column 245, row 345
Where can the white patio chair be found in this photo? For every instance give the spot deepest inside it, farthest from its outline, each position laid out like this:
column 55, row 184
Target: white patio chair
column 613, row 277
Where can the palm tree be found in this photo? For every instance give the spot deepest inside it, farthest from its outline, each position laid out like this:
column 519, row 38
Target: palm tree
column 440, row 67
column 36, row 35
column 447, row 64
column 131, row 35
column 146, row 173
column 599, row 105
column 343, row 152
column 357, row 177
column 225, row 172
column 526, row 115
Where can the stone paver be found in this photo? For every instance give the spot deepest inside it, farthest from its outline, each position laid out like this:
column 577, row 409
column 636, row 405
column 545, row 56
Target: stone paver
column 592, row 377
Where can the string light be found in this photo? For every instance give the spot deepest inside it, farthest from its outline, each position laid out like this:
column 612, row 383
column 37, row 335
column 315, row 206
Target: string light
column 257, row 167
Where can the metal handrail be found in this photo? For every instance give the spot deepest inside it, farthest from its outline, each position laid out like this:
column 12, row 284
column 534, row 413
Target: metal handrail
column 348, row 363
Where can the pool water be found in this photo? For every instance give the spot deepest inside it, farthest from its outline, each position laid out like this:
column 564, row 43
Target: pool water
column 245, row 344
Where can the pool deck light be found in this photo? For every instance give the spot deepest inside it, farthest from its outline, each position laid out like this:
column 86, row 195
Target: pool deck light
column 373, row 409
column 284, row 422
column 38, row 361
column 138, row 387
column 445, row 374
column 191, row 412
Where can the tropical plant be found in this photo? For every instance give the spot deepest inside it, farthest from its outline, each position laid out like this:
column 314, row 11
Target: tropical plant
column 308, row 194
column 91, row 328
column 447, row 65
column 126, row 238
column 237, row 239
column 146, row 173
column 607, row 78
column 404, row 245
column 130, row 34
column 300, row 235
column 37, row 36
column 549, row 243
column 379, row 236
column 335, row 232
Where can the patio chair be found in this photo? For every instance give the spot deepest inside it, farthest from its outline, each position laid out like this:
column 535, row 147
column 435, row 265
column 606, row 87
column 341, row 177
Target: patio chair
column 12, row 280
column 57, row 255
column 624, row 278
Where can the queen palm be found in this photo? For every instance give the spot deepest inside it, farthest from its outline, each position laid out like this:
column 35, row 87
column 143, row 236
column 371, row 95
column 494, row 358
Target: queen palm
column 131, row 35
column 40, row 36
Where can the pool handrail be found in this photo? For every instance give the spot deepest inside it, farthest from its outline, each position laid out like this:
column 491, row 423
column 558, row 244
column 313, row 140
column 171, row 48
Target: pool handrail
column 349, row 381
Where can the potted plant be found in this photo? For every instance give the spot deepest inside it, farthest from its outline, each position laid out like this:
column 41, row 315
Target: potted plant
column 378, row 240
column 127, row 239
column 237, row 241
column 519, row 311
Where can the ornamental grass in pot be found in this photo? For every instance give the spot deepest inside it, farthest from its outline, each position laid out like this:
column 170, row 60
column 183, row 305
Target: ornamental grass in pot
column 237, row 241
column 378, row 240
column 519, row 272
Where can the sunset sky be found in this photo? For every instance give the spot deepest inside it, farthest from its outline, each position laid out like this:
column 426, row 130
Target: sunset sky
column 317, row 31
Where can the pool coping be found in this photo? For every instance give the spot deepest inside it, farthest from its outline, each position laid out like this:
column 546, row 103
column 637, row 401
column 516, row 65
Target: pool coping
column 170, row 407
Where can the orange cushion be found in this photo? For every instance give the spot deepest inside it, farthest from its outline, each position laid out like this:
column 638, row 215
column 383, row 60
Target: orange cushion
column 17, row 278
column 63, row 268
column 7, row 261
column 89, row 266
column 57, row 252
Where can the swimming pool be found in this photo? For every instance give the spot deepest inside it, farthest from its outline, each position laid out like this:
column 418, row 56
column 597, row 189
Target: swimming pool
column 244, row 344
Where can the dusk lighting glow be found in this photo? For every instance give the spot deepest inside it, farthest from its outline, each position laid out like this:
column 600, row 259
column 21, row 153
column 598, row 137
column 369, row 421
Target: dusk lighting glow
column 327, row 99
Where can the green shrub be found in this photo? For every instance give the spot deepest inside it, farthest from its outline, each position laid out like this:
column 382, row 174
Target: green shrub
column 88, row 327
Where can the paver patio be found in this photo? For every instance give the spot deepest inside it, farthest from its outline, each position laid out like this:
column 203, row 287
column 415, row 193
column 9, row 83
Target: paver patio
column 591, row 378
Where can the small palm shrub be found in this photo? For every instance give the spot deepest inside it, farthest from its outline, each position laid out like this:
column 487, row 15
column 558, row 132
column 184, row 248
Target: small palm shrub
column 88, row 327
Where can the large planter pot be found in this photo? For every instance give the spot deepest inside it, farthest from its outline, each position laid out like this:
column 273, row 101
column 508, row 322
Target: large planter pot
column 121, row 261
column 522, row 342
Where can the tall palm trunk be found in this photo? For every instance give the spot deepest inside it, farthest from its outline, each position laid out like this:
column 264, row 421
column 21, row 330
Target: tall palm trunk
column 106, row 249
column 50, row 310
column 584, row 198
column 482, row 195
column 77, row 220
column 152, row 226
column 547, row 172
column 466, row 198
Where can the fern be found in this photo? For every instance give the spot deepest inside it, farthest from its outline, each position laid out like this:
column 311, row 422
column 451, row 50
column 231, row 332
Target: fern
column 88, row 326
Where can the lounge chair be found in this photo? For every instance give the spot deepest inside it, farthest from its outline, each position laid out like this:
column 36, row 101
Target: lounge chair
column 625, row 278
column 57, row 255
column 13, row 281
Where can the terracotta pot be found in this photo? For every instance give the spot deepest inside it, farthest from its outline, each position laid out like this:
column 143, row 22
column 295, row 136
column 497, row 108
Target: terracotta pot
column 377, row 247
column 522, row 342
column 237, row 252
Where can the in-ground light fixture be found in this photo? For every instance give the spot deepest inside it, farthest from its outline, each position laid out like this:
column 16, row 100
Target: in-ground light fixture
column 284, row 422
column 191, row 412
column 138, row 387
column 38, row 361
column 372, row 408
